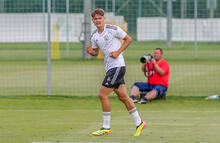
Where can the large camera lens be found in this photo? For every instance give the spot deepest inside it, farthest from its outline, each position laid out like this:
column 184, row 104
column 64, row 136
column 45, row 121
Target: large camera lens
column 146, row 59
column 143, row 60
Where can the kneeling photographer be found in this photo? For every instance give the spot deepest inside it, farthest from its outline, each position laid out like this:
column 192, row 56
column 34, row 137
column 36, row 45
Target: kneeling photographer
column 156, row 69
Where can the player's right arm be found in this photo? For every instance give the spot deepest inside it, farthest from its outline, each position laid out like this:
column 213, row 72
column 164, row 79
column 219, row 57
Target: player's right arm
column 92, row 51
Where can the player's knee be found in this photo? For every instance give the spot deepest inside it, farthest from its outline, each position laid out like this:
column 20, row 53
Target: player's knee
column 102, row 96
column 123, row 98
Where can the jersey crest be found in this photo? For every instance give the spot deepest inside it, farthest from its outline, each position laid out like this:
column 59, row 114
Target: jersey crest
column 106, row 37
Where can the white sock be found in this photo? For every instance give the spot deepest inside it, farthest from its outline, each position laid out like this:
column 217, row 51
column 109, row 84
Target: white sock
column 106, row 120
column 135, row 116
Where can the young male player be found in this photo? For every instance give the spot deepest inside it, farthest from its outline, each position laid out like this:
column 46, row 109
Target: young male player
column 107, row 38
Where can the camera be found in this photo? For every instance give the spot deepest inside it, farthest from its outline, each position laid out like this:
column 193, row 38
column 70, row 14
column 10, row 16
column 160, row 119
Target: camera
column 146, row 59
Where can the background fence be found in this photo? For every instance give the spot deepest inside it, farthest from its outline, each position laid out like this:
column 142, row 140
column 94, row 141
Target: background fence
column 187, row 30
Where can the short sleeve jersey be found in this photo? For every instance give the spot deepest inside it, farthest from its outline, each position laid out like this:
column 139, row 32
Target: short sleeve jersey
column 156, row 78
column 109, row 41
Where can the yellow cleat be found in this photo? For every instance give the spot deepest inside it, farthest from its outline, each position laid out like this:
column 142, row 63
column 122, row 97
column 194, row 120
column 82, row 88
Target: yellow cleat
column 102, row 132
column 140, row 128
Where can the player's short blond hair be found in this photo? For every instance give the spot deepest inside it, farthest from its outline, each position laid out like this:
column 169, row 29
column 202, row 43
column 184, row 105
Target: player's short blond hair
column 98, row 11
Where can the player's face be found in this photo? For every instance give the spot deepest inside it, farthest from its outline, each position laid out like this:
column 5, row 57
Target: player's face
column 157, row 55
column 98, row 20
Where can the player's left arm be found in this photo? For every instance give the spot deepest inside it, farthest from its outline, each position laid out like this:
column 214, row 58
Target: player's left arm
column 120, row 34
column 127, row 41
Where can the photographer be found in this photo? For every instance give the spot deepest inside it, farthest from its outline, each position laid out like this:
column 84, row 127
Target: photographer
column 157, row 71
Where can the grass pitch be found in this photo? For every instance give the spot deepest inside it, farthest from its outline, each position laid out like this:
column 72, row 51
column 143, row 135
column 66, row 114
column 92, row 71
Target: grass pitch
column 24, row 69
column 39, row 119
column 60, row 119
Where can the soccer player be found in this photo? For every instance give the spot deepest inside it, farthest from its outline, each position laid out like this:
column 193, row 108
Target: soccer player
column 158, row 78
column 107, row 38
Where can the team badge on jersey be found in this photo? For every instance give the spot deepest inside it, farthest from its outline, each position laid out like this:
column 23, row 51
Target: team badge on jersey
column 106, row 37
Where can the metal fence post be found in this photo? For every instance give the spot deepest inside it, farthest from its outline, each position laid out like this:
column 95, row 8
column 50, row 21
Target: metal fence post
column 49, row 49
column 169, row 23
column 67, row 28
column 195, row 27
column 87, row 27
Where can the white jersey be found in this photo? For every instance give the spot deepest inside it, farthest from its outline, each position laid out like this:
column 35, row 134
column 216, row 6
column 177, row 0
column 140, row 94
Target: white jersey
column 109, row 41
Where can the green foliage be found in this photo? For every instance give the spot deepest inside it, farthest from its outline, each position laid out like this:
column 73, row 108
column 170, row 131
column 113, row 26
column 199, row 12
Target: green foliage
column 23, row 6
column 130, row 9
column 148, row 8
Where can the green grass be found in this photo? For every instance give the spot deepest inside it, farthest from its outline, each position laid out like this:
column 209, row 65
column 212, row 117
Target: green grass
column 84, row 78
column 72, row 119
column 38, row 51
column 24, row 69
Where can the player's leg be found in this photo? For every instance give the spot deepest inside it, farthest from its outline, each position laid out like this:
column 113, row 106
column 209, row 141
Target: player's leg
column 123, row 96
column 106, row 111
column 105, row 90
column 104, row 98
